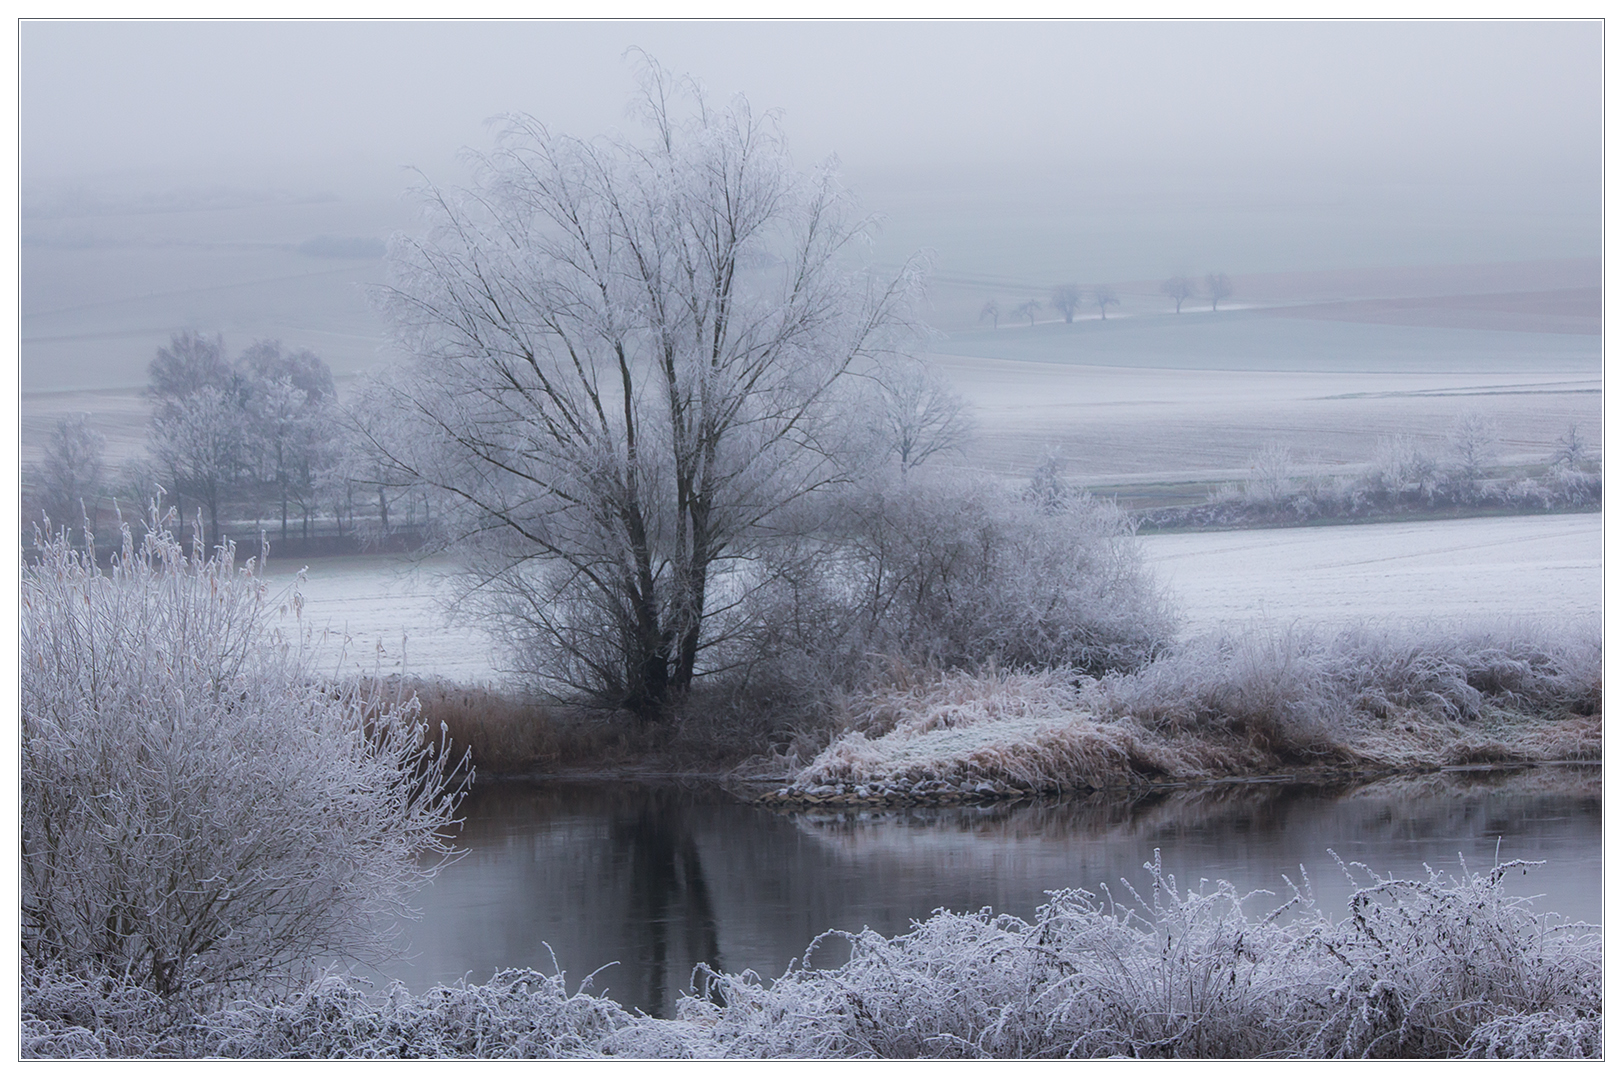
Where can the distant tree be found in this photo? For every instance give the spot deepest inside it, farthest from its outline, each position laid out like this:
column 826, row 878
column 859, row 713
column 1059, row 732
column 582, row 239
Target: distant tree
column 1273, row 471
column 69, row 482
column 1104, row 295
column 1029, row 309
column 1218, row 288
column 1178, row 289
column 199, row 445
column 291, row 401
column 990, row 310
column 1572, row 450
column 1048, row 486
column 1066, row 299
column 920, row 415
column 1472, row 440
column 186, row 365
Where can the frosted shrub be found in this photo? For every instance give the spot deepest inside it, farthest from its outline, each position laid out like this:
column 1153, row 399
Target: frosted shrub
column 956, row 572
column 197, row 812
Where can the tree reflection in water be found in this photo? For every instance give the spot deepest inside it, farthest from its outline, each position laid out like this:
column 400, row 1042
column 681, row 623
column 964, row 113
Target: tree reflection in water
column 653, row 839
column 653, row 879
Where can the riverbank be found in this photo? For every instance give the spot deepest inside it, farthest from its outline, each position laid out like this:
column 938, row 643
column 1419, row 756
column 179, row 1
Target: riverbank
column 1325, row 706
column 1436, row 967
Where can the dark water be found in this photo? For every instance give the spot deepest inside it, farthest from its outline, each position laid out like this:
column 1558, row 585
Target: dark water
column 657, row 879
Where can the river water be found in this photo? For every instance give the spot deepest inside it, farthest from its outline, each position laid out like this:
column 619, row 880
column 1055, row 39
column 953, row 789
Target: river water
column 654, row 879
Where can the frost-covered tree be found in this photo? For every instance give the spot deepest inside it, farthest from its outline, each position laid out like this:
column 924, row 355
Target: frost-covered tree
column 1572, row 449
column 990, row 310
column 291, row 401
column 1218, row 287
column 919, row 415
column 1030, row 309
column 1066, row 299
column 625, row 359
column 1048, row 487
column 200, row 444
column 1471, row 440
column 196, row 810
column 70, row 480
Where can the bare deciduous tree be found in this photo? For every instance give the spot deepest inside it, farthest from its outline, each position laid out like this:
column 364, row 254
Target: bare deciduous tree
column 990, row 310
column 625, row 360
column 1066, row 299
column 1178, row 289
column 1103, row 296
column 1029, row 309
column 919, row 414
column 1218, row 287
column 1572, row 449
column 199, row 445
column 291, row 400
column 69, row 482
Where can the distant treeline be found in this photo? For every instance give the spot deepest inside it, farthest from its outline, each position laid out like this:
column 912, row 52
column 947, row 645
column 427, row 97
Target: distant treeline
column 1408, row 476
column 244, row 446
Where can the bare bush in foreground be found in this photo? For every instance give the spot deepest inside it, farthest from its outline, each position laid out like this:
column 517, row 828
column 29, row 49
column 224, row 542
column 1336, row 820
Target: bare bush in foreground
column 195, row 811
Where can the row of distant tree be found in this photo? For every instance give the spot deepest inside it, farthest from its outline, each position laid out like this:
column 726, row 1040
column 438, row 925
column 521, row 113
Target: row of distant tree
column 1069, row 297
column 258, row 438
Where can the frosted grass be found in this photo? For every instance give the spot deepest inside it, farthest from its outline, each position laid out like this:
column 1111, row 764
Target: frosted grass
column 1439, row 966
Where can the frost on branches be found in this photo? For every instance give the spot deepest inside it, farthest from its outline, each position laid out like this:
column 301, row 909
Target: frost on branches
column 198, row 811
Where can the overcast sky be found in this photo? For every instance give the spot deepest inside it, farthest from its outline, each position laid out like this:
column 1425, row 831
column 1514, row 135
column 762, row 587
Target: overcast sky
column 1177, row 104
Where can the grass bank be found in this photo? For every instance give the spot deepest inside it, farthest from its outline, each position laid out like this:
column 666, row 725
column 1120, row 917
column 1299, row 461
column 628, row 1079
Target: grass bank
column 1317, row 705
column 1435, row 968
column 1360, row 701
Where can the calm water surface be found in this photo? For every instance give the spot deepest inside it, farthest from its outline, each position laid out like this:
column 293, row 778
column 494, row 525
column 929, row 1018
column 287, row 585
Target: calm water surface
column 655, row 879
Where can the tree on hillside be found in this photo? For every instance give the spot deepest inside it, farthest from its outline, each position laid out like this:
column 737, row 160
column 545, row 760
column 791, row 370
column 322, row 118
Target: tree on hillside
column 919, row 415
column 626, row 359
column 990, row 310
column 1572, row 449
column 1178, row 289
column 186, row 365
column 199, row 446
column 1472, row 439
column 1066, row 299
column 1029, row 309
column 69, row 482
column 241, row 434
column 1218, row 288
column 291, row 401
column 1104, row 295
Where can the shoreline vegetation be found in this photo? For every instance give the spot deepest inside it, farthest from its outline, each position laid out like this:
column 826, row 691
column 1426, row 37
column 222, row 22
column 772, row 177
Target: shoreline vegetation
column 1444, row 967
column 1364, row 701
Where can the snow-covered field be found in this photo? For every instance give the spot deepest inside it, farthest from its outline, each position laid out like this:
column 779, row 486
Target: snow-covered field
column 373, row 612
column 1157, row 424
column 1544, row 567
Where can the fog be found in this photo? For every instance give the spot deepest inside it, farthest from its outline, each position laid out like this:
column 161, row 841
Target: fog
column 169, row 171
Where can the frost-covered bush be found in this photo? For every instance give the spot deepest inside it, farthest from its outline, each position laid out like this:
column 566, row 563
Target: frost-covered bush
column 954, row 571
column 197, row 812
column 1373, row 694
